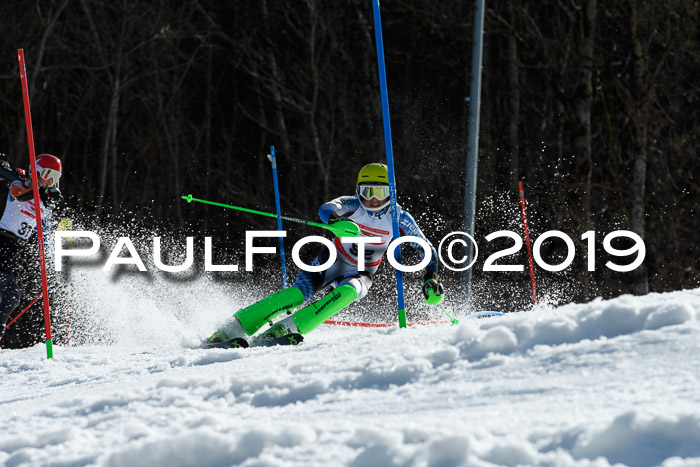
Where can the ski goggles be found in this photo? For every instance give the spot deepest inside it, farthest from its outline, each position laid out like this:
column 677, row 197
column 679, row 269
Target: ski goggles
column 368, row 192
column 51, row 175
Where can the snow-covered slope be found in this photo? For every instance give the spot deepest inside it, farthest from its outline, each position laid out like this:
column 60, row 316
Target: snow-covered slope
column 601, row 383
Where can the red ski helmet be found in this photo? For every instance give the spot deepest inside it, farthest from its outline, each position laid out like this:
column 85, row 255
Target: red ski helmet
column 49, row 167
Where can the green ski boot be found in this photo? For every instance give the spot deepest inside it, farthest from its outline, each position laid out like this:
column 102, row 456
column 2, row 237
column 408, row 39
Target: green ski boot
column 283, row 333
column 218, row 336
column 253, row 317
column 232, row 335
column 277, row 330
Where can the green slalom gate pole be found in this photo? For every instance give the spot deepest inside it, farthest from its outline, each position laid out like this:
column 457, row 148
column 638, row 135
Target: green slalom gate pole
column 339, row 229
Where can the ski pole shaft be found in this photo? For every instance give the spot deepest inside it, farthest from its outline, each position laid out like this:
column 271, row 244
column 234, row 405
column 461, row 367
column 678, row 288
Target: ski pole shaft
column 452, row 320
column 23, row 311
column 340, row 228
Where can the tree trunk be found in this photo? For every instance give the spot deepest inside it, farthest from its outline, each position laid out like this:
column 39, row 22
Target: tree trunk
column 582, row 105
column 36, row 70
column 324, row 163
column 279, row 119
column 583, row 102
column 371, row 103
column 111, row 127
column 640, row 128
column 514, row 102
column 114, row 166
column 207, row 132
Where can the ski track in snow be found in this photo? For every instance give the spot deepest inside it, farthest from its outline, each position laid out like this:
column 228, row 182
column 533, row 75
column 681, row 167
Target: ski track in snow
column 608, row 382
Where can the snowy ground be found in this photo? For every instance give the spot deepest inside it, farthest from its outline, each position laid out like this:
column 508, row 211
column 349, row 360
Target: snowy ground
column 596, row 384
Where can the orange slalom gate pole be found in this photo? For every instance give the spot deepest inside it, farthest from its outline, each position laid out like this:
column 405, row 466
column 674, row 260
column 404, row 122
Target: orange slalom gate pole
column 527, row 242
column 37, row 201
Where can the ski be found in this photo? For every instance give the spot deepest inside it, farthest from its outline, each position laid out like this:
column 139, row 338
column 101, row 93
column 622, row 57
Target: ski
column 270, row 341
column 237, row 343
column 258, row 341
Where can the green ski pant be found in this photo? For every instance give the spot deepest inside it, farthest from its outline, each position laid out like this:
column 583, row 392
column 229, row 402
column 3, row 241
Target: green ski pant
column 310, row 317
column 307, row 319
column 252, row 318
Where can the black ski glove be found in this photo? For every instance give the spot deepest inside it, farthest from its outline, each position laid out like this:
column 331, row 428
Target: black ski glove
column 430, row 282
column 50, row 196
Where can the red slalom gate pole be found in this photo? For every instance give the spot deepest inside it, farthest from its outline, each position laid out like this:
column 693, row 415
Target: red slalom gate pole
column 68, row 328
column 527, row 241
column 360, row 324
column 37, row 200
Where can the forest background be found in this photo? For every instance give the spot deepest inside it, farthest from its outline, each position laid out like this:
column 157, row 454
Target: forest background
column 592, row 104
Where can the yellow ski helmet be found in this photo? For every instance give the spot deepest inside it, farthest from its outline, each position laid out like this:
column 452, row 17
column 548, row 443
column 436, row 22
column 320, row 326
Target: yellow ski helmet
column 373, row 173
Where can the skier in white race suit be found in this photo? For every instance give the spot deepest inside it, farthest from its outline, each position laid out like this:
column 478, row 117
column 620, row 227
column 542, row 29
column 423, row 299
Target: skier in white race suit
column 369, row 209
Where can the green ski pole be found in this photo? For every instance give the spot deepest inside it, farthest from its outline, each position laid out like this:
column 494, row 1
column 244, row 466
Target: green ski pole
column 452, row 320
column 339, row 229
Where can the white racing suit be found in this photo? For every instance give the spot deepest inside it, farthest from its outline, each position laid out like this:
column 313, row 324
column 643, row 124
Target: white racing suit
column 345, row 269
column 344, row 275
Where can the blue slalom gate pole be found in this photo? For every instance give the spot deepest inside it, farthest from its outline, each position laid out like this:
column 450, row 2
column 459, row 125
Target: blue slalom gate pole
column 273, row 160
column 389, row 154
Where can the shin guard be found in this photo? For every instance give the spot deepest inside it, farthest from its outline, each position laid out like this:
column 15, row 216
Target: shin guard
column 256, row 315
column 310, row 317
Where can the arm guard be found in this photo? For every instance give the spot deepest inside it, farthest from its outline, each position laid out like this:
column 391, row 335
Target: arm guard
column 20, row 192
column 339, row 207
